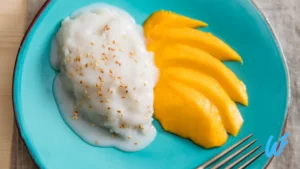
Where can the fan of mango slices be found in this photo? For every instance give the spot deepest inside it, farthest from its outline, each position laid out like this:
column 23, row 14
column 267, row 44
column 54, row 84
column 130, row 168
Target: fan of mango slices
column 196, row 93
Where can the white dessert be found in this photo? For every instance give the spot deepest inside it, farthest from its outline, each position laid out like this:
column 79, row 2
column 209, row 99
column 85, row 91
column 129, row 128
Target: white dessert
column 106, row 78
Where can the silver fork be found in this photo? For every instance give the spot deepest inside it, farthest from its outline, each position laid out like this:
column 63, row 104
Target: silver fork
column 211, row 161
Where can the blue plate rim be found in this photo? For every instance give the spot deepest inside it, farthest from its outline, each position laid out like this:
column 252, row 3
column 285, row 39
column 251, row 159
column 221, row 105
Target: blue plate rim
column 24, row 137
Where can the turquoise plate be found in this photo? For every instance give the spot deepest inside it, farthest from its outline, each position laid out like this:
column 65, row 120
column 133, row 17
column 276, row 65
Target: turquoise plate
column 53, row 145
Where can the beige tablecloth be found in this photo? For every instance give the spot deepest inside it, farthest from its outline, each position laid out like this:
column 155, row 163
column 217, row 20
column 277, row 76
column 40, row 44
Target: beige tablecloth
column 284, row 16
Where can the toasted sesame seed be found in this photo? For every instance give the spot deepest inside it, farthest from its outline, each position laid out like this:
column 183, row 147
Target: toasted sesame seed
column 110, row 71
column 114, row 56
column 108, row 108
column 102, row 70
column 90, row 106
column 119, row 111
column 71, row 74
column 99, row 93
column 109, row 48
column 106, row 27
column 87, row 86
column 123, row 97
column 103, row 46
column 134, row 88
column 122, row 126
column 92, row 43
column 121, row 50
column 141, row 127
column 118, row 63
column 114, row 42
column 81, row 74
column 129, row 137
column 131, row 54
column 101, row 101
column 87, row 54
column 126, row 91
column 97, row 85
column 125, row 87
column 100, row 78
column 136, row 143
column 107, row 101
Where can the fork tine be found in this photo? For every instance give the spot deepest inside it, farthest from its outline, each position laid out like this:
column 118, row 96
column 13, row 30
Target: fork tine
column 242, row 158
column 251, row 160
column 233, row 155
column 209, row 162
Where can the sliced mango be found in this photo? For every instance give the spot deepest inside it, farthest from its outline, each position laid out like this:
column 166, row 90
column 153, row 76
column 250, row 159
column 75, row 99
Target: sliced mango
column 169, row 19
column 211, row 89
column 185, row 56
column 159, row 38
column 186, row 112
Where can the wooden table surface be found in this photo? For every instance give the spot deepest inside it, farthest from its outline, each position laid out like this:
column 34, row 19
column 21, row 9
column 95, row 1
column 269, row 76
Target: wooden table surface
column 12, row 25
column 283, row 15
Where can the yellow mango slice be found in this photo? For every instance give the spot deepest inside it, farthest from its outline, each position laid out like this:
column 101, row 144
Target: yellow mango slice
column 186, row 112
column 195, row 38
column 169, row 19
column 185, row 56
column 211, row 89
